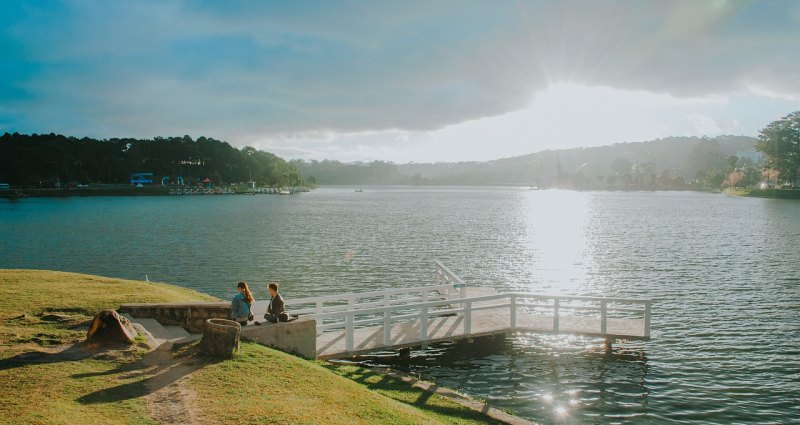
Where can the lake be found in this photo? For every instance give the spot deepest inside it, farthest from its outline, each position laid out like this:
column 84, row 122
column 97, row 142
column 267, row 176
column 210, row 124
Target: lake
column 722, row 272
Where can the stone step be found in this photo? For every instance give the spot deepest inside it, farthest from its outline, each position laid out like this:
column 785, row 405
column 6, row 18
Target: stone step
column 156, row 333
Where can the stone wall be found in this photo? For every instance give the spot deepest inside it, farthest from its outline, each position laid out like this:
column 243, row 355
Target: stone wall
column 298, row 337
column 190, row 316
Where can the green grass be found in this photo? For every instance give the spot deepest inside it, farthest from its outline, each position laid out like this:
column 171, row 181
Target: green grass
column 268, row 386
column 28, row 297
column 49, row 390
column 259, row 385
column 442, row 408
column 50, row 393
column 765, row 193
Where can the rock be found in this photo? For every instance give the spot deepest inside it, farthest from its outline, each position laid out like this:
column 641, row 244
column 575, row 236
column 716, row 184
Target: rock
column 148, row 337
column 108, row 326
column 220, row 337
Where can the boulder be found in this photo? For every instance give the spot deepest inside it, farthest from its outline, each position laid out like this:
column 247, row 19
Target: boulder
column 108, row 326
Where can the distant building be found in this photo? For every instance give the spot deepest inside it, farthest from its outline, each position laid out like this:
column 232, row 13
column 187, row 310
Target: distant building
column 251, row 184
column 141, row 178
column 50, row 182
column 754, row 157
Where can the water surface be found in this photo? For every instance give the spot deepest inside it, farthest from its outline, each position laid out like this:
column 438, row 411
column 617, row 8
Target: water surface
column 723, row 272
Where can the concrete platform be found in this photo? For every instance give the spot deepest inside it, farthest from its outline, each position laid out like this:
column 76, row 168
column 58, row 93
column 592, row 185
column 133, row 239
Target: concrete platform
column 298, row 337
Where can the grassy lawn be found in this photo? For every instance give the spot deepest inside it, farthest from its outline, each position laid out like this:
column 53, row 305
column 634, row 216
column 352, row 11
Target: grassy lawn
column 442, row 408
column 48, row 393
column 765, row 193
column 46, row 308
column 268, row 386
column 40, row 311
column 57, row 308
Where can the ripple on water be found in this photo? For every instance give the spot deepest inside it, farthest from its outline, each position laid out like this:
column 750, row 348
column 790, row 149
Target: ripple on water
column 721, row 270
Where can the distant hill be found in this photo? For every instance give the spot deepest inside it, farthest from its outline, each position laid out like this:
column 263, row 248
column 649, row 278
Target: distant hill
column 674, row 156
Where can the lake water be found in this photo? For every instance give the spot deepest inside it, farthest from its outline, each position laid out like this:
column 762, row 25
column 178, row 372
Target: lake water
column 723, row 272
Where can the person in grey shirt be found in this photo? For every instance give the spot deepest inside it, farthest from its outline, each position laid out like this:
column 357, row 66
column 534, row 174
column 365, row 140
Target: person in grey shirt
column 276, row 310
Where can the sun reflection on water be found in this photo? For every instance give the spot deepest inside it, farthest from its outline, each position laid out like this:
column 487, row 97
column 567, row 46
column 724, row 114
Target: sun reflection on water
column 558, row 239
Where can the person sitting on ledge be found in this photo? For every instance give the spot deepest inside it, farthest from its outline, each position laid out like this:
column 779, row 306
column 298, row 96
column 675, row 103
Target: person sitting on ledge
column 276, row 310
column 241, row 303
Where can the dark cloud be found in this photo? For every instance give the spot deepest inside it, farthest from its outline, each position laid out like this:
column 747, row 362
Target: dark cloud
column 266, row 68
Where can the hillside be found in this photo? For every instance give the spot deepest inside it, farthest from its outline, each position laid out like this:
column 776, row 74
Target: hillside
column 675, row 156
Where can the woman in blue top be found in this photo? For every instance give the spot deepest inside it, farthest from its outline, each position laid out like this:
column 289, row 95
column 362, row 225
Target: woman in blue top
column 241, row 303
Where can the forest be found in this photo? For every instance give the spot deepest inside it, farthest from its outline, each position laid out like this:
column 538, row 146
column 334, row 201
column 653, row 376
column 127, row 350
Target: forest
column 53, row 160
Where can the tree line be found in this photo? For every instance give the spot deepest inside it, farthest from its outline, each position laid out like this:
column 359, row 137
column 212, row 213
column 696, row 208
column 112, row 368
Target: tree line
column 39, row 160
column 673, row 163
column 780, row 142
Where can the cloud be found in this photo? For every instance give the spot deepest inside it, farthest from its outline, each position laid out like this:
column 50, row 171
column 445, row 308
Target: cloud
column 254, row 71
column 704, row 124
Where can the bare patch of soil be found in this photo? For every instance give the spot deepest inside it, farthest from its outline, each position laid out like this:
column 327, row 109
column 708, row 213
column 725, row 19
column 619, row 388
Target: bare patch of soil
column 170, row 399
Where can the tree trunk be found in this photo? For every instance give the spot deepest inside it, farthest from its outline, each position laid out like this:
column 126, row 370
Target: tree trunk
column 220, row 338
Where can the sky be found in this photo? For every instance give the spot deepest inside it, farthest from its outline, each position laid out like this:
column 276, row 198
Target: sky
column 411, row 81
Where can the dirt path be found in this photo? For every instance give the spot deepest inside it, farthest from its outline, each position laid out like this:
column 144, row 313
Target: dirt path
column 170, row 400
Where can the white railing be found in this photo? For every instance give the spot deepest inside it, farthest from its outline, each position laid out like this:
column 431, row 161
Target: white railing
column 444, row 276
column 352, row 311
column 448, row 286
column 516, row 302
column 364, row 300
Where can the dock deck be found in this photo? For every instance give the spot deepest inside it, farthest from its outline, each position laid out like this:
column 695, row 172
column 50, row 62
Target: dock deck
column 359, row 323
column 332, row 344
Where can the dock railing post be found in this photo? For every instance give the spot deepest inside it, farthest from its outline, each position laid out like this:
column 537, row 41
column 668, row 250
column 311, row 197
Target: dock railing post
column 318, row 310
column 348, row 331
column 468, row 318
column 555, row 315
column 603, row 316
column 513, row 312
column 647, row 319
column 387, row 328
column 423, row 326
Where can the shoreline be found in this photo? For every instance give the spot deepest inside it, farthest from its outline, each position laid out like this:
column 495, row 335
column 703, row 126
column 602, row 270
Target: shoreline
column 764, row 193
column 64, row 318
column 135, row 191
column 162, row 191
column 460, row 398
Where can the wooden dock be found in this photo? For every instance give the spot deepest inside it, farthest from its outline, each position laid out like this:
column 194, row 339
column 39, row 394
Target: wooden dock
column 359, row 323
column 485, row 323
